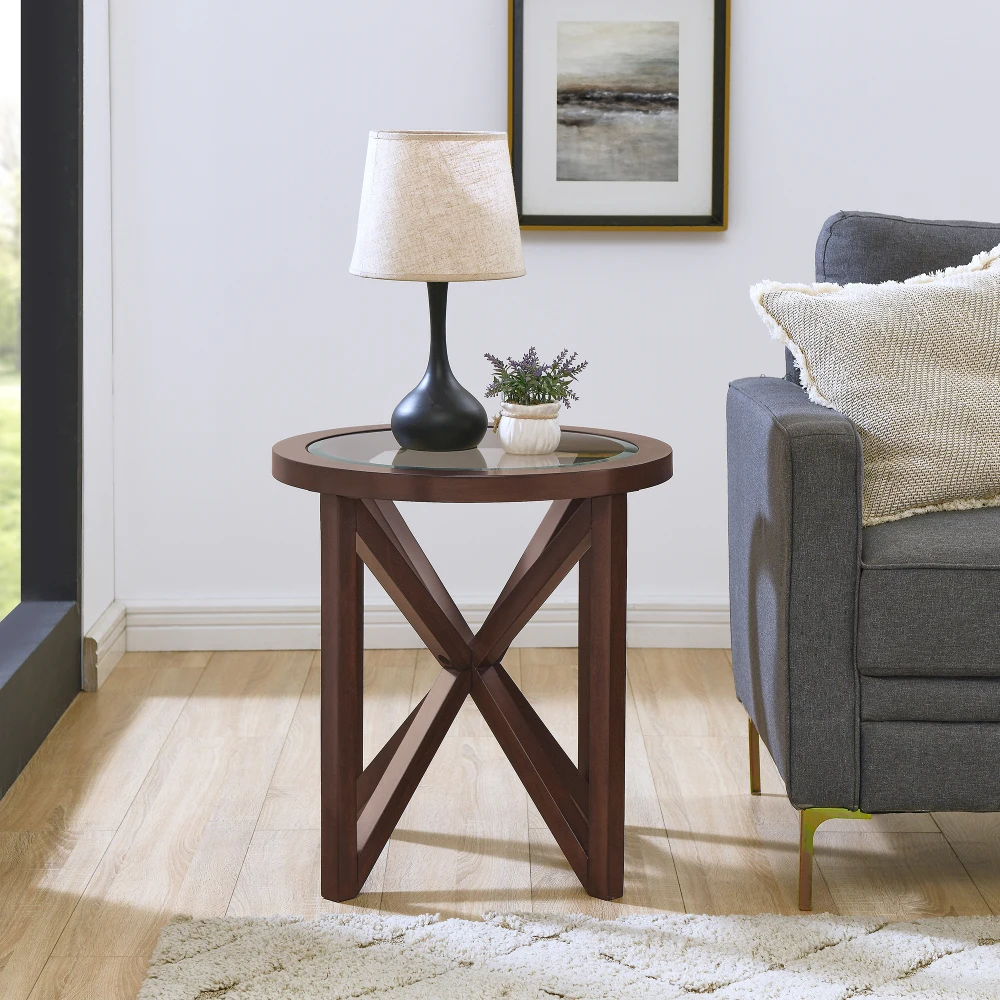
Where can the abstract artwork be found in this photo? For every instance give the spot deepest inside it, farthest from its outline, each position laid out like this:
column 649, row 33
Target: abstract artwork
column 619, row 113
column 617, row 100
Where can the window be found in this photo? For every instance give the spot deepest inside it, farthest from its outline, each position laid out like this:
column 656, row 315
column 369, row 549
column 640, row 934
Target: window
column 10, row 305
column 40, row 237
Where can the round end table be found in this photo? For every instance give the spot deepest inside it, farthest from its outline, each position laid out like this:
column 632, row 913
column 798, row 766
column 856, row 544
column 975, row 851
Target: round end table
column 360, row 472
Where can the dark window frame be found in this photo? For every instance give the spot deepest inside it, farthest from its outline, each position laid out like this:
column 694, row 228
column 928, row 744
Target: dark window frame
column 40, row 640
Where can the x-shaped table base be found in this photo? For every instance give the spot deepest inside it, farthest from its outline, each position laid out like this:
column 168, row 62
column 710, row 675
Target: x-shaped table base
column 584, row 804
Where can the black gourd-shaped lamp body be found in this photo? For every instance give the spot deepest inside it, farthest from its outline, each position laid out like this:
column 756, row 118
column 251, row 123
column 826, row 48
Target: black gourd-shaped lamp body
column 439, row 414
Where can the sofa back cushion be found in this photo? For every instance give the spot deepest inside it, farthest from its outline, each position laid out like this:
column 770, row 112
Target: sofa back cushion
column 872, row 248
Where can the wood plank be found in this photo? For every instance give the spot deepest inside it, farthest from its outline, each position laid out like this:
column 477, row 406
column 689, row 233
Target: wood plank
column 550, row 684
column 415, row 752
column 735, row 852
column 549, row 656
column 281, row 875
column 975, row 839
column 421, row 856
column 461, row 847
column 87, row 772
column 886, row 822
column 688, row 693
column 161, row 660
column 89, row 978
column 563, row 816
column 549, row 681
column 650, row 878
column 547, row 753
column 180, row 846
column 389, row 679
column 293, row 800
column 372, row 775
column 245, row 694
column 42, row 875
column 650, row 881
column 903, row 875
column 685, row 692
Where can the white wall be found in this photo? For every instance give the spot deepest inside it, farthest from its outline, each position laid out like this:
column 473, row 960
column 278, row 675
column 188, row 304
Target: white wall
column 98, row 399
column 238, row 145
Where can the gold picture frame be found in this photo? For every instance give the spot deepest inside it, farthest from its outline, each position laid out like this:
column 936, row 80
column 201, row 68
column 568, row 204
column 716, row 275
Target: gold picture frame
column 715, row 221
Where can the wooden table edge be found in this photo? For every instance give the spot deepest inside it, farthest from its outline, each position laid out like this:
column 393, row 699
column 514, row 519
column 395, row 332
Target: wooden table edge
column 293, row 465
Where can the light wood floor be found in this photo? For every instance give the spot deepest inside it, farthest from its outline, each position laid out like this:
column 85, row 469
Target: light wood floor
column 189, row 784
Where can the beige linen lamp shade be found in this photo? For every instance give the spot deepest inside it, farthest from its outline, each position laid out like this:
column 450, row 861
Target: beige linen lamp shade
column 438, row 206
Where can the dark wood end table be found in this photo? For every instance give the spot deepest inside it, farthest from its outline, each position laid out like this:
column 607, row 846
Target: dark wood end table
column 360, row 472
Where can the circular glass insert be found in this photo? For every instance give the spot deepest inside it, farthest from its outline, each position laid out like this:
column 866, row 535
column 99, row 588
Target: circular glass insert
column 380, row 448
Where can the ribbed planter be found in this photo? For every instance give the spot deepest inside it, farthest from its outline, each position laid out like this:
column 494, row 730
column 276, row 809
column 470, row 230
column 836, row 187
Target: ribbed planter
column 529, row 430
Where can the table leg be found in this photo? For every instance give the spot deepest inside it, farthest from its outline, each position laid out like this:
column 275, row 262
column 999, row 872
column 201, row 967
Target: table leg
column 583, row 669
column 585, row 805
column 342, row 681
column 603, row 652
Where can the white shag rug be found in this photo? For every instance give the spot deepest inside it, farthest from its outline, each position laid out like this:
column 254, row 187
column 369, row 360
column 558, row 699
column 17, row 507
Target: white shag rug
column 537, row 957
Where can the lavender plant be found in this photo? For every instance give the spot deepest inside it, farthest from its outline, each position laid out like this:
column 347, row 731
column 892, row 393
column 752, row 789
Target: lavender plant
column 528, row 382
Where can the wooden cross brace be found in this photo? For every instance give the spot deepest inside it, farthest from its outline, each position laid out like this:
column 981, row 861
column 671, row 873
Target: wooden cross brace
column 583, row 804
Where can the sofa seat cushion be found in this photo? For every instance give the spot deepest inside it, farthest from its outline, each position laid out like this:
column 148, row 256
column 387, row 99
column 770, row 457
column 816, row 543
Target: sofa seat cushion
column 930, row 767
column 930, row 699
column 929, row 601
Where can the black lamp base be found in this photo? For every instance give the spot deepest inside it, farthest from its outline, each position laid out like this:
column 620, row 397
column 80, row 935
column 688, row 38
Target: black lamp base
column 439, row 414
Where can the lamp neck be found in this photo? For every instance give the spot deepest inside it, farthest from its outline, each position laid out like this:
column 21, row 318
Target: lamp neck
column 437, row 298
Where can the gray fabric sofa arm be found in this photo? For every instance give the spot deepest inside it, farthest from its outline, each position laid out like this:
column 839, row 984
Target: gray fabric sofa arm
column 794, row 565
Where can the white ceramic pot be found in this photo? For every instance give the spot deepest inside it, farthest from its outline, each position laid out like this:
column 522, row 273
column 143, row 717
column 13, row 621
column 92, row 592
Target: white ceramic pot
column 529, row 430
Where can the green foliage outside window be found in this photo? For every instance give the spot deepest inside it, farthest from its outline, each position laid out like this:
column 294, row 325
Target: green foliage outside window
column 10, row 362
column 10, row 243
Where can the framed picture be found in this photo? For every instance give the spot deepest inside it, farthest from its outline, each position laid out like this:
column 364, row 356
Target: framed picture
column 619, row 113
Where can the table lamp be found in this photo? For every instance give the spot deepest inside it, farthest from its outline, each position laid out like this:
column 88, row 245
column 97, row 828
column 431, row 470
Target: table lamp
column 438, row 207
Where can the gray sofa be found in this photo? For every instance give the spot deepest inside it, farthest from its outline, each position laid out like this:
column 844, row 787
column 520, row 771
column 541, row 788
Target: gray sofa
column 868, row 659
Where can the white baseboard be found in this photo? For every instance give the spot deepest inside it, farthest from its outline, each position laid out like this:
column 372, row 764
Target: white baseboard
column 286, row 625
column 103, row 646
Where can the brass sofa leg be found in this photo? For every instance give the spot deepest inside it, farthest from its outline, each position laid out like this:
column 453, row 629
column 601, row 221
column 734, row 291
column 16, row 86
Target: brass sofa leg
column 754, row 758
column 809, row 820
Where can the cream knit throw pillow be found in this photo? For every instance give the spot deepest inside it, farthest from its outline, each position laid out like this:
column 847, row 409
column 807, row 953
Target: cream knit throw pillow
column 916, row 366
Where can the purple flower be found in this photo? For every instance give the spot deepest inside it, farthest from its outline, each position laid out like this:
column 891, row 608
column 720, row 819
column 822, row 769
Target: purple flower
column 528, row 381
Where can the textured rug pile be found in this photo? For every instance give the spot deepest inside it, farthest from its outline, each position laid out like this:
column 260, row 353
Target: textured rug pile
column 537, row 957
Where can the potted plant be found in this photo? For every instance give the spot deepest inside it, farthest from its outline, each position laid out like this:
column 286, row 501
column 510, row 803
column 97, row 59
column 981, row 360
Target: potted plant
column 531, row 394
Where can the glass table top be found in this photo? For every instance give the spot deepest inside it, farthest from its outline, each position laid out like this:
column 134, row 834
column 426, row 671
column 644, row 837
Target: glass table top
column 380, row 448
